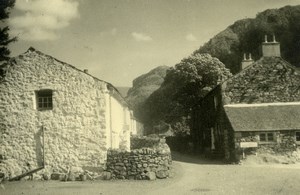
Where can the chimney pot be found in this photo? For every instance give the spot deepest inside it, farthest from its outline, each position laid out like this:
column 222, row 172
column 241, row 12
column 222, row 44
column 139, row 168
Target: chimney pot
column 246, row 62
column 266, row 38
column 274, row 39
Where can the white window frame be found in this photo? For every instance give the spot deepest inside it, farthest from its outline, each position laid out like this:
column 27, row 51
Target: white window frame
column 267, row 138
column 44, row 99
column 298, row 142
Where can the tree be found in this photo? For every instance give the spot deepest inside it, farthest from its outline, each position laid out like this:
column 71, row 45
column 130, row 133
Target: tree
column 5, row 6
column 184, row 85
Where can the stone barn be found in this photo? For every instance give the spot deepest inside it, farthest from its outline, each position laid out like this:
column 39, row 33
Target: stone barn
column 56, row 116
column 258, row 107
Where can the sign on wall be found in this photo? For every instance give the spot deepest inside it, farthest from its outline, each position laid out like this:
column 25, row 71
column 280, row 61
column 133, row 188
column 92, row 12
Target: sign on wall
column 248, row 144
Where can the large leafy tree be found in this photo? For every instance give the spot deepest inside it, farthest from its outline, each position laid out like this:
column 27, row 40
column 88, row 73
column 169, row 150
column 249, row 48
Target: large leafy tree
column 5, row 6
column 184, row 85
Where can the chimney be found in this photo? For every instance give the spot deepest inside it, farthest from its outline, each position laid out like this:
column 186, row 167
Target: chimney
column 246, row 62
column 86, row 71
column 270, row 49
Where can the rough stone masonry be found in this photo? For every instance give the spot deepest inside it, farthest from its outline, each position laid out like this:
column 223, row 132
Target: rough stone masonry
column 142, row 163
column 74, row 131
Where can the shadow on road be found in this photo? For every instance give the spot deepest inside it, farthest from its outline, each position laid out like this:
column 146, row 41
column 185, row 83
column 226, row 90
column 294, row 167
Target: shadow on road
column 195, row 158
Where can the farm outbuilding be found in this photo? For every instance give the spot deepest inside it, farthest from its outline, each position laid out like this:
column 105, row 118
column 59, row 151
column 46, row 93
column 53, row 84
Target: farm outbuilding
column 259, row 105
column 56, row 116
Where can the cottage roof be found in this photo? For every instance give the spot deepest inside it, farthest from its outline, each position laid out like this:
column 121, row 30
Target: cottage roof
column 270, row 79
column 270, row 63
column 264, row 117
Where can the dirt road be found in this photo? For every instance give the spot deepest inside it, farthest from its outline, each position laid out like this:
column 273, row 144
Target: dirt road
column 192, row 175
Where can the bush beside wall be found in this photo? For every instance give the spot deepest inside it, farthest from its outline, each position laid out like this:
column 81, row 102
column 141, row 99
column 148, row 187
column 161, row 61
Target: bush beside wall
column 137, row 142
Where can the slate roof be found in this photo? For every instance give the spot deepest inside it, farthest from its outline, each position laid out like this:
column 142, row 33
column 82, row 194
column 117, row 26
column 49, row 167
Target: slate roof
column 264, row 117
column 270, row 79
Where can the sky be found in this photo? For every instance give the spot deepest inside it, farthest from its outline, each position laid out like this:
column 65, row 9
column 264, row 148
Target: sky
column 119, row 40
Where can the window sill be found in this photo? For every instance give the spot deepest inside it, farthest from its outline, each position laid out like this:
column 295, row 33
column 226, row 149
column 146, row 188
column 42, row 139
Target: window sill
column 267, row 143
column 49, row 109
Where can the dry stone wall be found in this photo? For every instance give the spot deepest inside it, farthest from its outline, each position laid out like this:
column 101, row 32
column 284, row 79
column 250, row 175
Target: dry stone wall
column 74, row 130
column 140, row 164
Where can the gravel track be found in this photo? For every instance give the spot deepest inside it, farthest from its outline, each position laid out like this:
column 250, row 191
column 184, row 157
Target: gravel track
column 191, row 175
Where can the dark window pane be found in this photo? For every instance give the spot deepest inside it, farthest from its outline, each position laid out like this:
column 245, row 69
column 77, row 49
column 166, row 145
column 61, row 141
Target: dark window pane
column 44, row 99
column 297, row 136
column 270, row 137
column 262, row 137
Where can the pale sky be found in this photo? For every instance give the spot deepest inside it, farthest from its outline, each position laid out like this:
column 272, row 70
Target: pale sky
column 118, row 40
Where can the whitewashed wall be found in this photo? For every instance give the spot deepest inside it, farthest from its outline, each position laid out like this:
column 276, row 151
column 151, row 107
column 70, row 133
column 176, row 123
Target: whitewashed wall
column 118, row 121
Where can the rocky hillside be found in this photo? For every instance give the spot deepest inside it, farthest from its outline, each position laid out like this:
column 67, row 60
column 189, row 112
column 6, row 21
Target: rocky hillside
column 247, row 35
column 143, row 86
column 244, row 36
column 123, row 90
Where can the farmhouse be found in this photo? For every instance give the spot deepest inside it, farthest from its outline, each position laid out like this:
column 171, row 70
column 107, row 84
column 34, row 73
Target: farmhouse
column 56, row 116
column 258, row 107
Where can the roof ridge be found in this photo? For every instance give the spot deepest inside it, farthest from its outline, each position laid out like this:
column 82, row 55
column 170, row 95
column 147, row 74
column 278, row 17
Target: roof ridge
column 243, row 70
column 262, row 104
column 32, row 49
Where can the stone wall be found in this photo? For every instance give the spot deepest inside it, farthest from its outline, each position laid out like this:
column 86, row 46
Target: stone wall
column 209, row 116
column 150, row 158
column 284, row 144
column 74, row 130
column 139, row 164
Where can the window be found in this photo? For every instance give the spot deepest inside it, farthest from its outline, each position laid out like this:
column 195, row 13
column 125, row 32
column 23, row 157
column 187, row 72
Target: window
column 262, row 137
column 298, row 136
column 266, row 137
column 270, row 137
column 44, row 99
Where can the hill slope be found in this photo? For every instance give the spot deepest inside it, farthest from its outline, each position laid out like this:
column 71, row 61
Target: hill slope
column 247, row 35
column 143, row 86
column 123, row 90
column 244, row 36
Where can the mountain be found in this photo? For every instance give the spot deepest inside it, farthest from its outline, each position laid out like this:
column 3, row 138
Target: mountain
column 246, row 36
column 143, row 86
column 123, row 90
